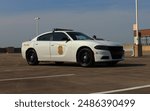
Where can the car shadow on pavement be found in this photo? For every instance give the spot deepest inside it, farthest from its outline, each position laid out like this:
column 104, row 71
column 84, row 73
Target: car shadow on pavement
column 97, row 65
column 130, row 65
column 60, row 65
column 119, row 65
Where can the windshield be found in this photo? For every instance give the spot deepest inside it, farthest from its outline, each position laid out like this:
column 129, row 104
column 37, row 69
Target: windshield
column 79, row 36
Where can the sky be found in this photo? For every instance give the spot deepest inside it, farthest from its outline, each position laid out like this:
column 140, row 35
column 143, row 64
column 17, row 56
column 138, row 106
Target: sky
column 108, row 19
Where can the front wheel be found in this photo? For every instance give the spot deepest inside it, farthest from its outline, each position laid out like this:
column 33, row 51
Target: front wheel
column 31, row 57
column 85, row 57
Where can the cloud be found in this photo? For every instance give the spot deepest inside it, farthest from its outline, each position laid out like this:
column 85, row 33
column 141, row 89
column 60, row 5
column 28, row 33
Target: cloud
column 8, row 7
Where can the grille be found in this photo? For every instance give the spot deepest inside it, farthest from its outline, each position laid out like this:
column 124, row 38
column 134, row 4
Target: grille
column 117, row 52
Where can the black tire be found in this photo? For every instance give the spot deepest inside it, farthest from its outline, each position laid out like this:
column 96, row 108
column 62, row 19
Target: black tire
column 85, row 57
column 31, row 57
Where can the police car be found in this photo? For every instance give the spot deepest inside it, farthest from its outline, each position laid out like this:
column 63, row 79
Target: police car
column 64, row 45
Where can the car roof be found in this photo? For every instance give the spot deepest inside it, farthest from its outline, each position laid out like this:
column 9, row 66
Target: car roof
column 60, row 29
column 55, row 30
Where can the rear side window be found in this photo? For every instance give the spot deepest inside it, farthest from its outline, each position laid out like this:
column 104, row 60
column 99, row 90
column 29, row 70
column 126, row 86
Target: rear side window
column 59, row 36
column 45, row 37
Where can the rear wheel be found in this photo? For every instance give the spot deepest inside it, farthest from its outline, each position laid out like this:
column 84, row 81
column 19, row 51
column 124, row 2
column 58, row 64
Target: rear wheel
column 31, row 57
column 85, row 57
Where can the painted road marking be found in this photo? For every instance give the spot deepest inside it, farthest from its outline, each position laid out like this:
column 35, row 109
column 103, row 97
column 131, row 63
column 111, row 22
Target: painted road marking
column 11, row 70
column 122, row 90
column 38, row 77
column 19, row 70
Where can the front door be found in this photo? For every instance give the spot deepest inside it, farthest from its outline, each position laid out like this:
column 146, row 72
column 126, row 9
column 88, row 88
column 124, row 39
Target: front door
column 59, row 47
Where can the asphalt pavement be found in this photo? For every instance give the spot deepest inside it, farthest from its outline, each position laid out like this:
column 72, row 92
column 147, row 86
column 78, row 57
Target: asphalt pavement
column 131, row 76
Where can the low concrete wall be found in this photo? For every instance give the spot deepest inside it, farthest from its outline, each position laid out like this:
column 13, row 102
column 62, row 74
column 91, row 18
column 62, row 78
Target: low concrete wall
column 17, row 50
column 10, row 50
column 146, row 48
column 129, row 47
column 130, row 52
column 3, row 50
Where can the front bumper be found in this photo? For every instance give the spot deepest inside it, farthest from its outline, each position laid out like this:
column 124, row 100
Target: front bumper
column 106, row 55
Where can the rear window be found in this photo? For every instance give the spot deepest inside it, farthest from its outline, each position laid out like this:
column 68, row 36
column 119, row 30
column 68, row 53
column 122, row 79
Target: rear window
column 45, row 37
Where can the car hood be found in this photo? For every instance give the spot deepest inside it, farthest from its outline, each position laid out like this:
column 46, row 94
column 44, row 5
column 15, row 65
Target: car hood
column 107, row 43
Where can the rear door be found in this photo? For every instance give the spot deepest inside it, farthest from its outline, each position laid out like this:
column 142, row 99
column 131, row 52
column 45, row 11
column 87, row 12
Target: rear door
column 42, row 47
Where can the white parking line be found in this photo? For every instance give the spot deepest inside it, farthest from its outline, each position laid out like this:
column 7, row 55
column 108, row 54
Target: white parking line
column 11, row 70
column 122, row 90
column 38, row 77
column 21, row 69
column 15, row 70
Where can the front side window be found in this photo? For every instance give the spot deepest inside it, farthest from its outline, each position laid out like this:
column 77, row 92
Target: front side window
column 59, row 36
column 79, row 36
column 45, row 37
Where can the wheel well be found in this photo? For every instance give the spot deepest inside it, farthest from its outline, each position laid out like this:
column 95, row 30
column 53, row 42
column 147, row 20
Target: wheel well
column 83, row 48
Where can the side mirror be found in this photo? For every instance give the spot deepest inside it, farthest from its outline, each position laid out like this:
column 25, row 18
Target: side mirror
column 67, row 40
column 94, row 37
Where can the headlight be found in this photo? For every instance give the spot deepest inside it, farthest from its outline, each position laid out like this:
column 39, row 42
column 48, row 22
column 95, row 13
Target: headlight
column 101, row 47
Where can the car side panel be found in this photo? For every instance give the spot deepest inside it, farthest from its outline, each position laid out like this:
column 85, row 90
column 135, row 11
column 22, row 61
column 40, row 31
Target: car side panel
column 25, row 46
column 42, row 49
column 62, row 51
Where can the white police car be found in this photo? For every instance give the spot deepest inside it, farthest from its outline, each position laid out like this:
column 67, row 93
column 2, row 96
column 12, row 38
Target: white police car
column 64, row 45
